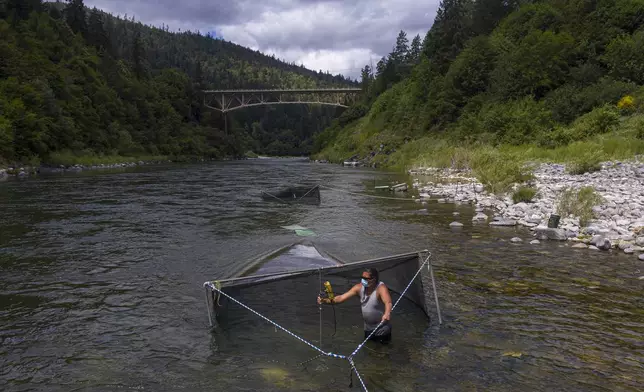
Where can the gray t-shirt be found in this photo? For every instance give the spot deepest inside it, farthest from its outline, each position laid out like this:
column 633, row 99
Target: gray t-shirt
column 372, row 311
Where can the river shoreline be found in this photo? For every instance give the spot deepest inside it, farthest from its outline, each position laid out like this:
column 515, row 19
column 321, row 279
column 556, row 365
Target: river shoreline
column 22, row 171
column 617, row 224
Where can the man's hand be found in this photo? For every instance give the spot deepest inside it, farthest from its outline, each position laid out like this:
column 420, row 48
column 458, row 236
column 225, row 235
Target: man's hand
column 386, row 317
column 319, row 300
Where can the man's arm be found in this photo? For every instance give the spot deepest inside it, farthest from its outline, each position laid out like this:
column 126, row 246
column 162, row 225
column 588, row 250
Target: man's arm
column 383, row 291
column 338, row 299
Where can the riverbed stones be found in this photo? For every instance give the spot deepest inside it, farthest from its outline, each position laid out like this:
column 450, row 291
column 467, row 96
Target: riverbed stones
column 620, row 214
column 503, row 222
column 456, row 225
column 516, row 240
column 641, row 257
column 580, row 246
column 535, row 242
column 548, row 233
column 479, row 217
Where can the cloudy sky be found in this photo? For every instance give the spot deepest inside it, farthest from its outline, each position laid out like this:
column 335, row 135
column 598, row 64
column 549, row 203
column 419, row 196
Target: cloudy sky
column 340, row 36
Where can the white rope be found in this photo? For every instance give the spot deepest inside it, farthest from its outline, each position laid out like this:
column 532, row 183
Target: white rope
column 353, row 366
column 367, row 195
column 392, row 309
column 212, row 287
column 322, row 352
column 438, row 309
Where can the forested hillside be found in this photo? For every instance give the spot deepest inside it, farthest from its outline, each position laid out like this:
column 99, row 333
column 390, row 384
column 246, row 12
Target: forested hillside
column 498, row 79
column 78, row 82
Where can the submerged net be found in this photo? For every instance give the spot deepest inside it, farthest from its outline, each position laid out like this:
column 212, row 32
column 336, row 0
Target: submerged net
column 248, row 311
column 294, row 194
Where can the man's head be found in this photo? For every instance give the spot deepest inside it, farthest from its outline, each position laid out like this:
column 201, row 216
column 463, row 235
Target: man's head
column 370, row 275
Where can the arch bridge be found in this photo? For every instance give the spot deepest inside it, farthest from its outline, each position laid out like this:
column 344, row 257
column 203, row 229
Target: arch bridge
column 228, row 100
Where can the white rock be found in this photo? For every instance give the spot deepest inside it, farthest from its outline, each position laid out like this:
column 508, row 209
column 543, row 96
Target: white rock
column 629, row 251
column 535, row 242
column 504, row 222
column 456, row 224
column 640, row 241
column 480, row 217
column 641, row 257
column 623, row 222
column 593, row 247
column 580, row 246
column 516, row 240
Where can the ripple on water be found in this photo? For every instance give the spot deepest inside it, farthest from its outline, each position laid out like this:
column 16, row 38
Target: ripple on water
column 102, row 273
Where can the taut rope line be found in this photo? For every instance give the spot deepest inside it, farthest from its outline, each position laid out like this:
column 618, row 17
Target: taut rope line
column 322, row 352
column 366, row 194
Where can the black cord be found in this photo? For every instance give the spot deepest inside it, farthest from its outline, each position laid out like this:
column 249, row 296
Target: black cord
column 335, row 325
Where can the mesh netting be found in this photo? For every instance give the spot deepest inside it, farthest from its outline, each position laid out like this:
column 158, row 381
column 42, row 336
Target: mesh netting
column 289, row 299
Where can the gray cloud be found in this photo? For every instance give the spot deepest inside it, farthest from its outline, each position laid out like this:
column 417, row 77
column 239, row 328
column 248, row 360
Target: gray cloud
column 336, row 35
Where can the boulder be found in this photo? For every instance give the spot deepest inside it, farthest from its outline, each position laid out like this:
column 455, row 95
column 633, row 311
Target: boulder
column 624, row 245
column 516, row 240
column 504, row 222
column 547, row 233
column 480, row 217
column 580, row 246
column 603, row 243
column 456, row 224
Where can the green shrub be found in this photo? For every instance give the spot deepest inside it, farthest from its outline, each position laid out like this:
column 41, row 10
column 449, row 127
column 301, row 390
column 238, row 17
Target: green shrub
column 578, row 203
column 601, row 120
column 498, row 172
column 588, row 162
column 524, row 194
column 569, row 101
column 513, row 122
column 625, row 57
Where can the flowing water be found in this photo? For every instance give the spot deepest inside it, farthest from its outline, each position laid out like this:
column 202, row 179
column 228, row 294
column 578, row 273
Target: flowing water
column 102, row 273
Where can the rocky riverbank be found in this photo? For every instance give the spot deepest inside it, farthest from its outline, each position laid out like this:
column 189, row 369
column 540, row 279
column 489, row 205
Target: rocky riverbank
column 25, row 171
column 618, row 219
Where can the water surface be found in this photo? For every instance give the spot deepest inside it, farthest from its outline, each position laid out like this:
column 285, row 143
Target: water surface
column 102, row 277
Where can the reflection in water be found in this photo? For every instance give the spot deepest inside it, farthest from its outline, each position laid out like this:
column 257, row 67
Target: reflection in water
column 102, row 274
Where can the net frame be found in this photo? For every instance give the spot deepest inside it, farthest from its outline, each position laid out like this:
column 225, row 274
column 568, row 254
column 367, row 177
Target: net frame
column 214, row 298
column 255, row 280
column 294, row 194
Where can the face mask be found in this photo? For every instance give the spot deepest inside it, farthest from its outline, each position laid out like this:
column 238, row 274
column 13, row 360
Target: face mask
column 364, row 282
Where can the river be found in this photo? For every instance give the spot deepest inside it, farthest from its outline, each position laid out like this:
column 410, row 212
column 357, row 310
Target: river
column 102, row 277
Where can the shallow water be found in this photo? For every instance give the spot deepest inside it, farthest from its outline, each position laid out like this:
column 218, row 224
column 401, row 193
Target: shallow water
column 102, row 277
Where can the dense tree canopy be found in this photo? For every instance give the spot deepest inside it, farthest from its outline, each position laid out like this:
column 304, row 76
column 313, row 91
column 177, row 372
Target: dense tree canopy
column 84, row 82
column 501, row 71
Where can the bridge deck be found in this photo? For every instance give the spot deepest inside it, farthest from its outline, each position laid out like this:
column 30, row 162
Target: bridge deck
column 309, row 90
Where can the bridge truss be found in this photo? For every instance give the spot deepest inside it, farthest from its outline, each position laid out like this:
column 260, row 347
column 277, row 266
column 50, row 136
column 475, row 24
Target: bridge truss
column 228, row 100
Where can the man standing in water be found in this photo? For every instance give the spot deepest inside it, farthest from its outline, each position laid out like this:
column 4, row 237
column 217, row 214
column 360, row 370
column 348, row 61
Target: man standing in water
column 376, row 304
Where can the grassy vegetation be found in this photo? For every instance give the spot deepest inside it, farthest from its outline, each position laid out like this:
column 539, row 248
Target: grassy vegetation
column 498, row 87
column 579, row 203
column 524, row 194
column 498, row 166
